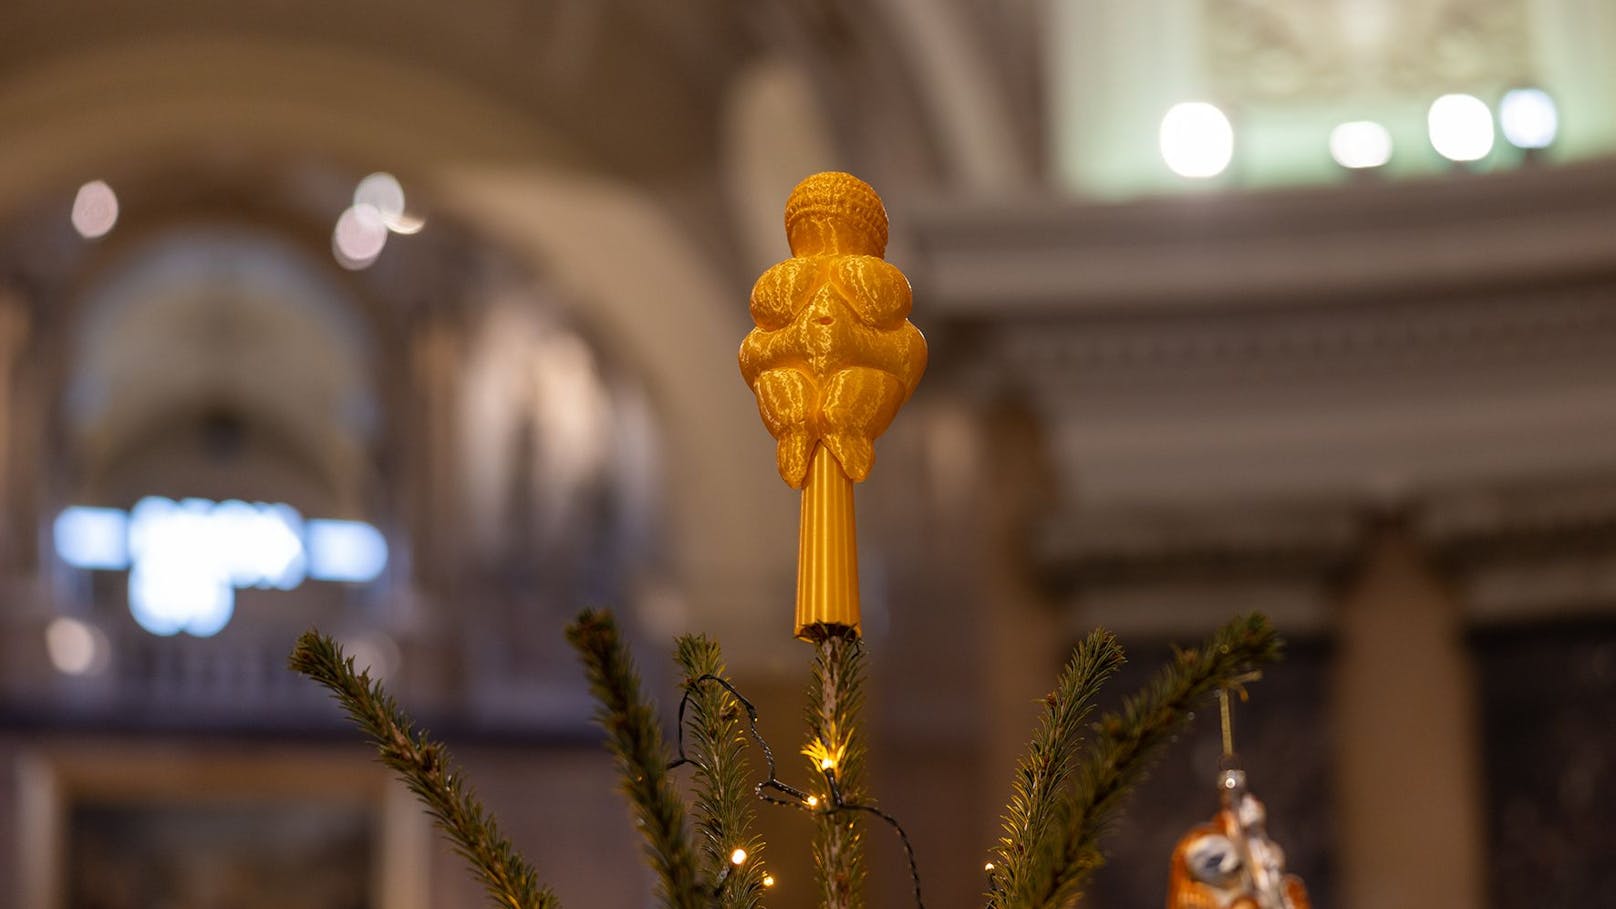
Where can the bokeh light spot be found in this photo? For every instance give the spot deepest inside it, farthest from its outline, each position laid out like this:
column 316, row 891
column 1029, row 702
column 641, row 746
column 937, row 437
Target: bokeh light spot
column 1461, row 127
column 1360, row 144
column 1197, row 140
column 359, row 237
column 95, row 209
column 74, row 648
column 1529, row 118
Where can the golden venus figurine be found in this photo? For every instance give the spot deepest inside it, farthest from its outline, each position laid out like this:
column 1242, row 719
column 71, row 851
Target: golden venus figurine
column 832, row 359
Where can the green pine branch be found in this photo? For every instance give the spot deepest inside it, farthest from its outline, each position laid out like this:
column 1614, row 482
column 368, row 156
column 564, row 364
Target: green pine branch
column 635, row 738
column 1127, row 744
column 835, row 701
column 1029, row 847
column 724, row 805
column 426, row 767
column 1065, row 795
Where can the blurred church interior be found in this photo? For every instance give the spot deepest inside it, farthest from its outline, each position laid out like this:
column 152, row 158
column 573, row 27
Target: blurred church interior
column 418, row 322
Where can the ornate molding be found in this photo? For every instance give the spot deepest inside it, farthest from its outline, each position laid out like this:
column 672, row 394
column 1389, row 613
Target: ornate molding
column 1229, row 384
column 1163, row 569
column 1280, row 249
column 1528, row 549
column 1512, row 551
column 1551, row 328
column 1259, row 51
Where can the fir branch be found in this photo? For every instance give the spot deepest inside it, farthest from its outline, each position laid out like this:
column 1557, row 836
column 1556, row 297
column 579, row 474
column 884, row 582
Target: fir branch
column 1128, row 743
column 426, row 767
column 635, row 738
column 724, row 801
column 835, row 699
column 1029, row 843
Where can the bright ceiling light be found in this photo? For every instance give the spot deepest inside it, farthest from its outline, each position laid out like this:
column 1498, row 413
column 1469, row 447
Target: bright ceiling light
column 1360, row 144
column 1196, row 140
column 1461, row 127
column 1529, row 118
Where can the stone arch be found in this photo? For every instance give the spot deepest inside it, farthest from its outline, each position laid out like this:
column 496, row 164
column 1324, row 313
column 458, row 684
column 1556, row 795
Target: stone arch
column 651, row 295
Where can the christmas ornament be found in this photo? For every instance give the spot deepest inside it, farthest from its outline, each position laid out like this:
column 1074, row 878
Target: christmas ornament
column 832, row 359
column 1231, row 863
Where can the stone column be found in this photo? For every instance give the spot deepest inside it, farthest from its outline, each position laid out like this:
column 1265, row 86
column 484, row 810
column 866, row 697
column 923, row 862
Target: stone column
column 436, row 361
column 969, row 645
column 14, row 326
column 1412, row 831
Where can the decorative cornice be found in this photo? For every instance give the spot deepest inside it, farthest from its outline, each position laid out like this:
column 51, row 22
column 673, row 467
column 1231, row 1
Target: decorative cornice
column 1233, row 384
column 1528, row 549
column 1164, row 569
column 1550, row 328
column 1511, row 551
column 1279, row 248
column 1121, row 547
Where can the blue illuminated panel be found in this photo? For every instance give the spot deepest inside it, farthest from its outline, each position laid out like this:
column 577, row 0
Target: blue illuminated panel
column 187, row 558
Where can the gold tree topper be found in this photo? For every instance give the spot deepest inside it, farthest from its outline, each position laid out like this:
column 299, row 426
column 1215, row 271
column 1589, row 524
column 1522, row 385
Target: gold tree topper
column 832, row 359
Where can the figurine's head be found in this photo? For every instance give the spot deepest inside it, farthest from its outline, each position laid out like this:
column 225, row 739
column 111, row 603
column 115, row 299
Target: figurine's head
column 837, row 213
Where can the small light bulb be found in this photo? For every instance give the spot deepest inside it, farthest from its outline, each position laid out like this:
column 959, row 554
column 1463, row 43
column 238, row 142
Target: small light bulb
column 738, row 856
column 988, row 867
column 813, row 801
column 768, row 880
column 826, row 763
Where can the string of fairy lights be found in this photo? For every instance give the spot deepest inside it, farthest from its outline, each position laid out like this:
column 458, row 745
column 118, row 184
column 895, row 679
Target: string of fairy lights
column 777, row 792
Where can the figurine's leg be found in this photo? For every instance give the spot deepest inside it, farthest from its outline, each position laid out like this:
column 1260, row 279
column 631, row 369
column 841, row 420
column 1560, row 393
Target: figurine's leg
column 786, row 399
column 858, row 405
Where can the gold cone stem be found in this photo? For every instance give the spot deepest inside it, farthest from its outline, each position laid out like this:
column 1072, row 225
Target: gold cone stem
column 827, row 553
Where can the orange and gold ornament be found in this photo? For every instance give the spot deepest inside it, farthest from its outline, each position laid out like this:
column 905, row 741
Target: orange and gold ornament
column 1231, row 863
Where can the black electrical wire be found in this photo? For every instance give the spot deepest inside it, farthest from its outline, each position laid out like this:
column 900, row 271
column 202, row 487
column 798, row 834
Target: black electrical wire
column 773, row 784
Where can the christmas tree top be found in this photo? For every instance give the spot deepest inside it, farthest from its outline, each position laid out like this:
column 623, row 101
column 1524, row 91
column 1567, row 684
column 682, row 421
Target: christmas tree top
column 831, row 361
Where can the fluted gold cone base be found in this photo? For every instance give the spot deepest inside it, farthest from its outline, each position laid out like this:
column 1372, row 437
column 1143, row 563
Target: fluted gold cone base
column 827, row 554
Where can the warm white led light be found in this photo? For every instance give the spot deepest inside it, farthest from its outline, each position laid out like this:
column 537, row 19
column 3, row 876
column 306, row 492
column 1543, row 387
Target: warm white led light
column 737, row 857
column 1461, row 127
column 1360, row 144
column 1197, row 140
column 1529, row 118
